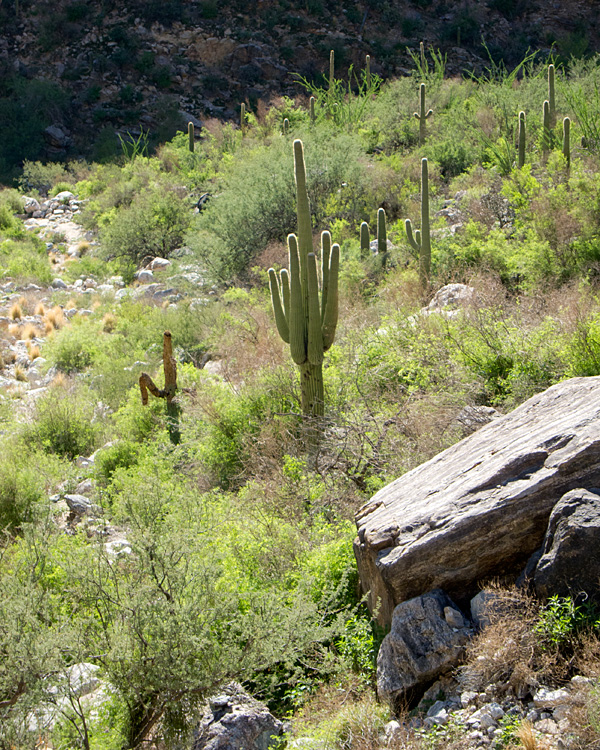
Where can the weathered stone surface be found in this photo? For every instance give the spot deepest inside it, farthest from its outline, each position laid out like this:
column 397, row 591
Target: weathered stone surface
column 481, row 507
column 422, row 644
column 235, row 720
column 570, row 561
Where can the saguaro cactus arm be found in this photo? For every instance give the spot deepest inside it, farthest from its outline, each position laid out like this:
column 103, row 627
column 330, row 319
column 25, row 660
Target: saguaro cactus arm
column 170, row 369
column 567, row 140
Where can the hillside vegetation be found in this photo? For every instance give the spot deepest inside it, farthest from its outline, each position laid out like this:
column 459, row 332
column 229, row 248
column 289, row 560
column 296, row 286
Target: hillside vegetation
column 237, row 532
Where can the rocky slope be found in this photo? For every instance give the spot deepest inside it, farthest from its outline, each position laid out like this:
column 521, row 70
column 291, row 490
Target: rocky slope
column 156, row 65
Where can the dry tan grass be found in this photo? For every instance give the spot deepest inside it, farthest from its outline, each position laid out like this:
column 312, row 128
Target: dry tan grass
column 33, row 350
column 109, row 322
column 83, row 247
column 529, row 739
column 40, row 309
column 54, row 319
column 20, row 374
column 14, row 329
column 15, row 312
column 29, row 331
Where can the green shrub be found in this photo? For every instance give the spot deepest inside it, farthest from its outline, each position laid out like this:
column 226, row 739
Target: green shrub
column 63, row 424
column 153, row 224
column 24, row 258
column 21, row 487
column 122, row 455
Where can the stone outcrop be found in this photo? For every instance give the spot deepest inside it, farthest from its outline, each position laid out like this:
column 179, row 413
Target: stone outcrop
column 480, row 508
column 234, row 720
column 570, row 561
column 427, row 639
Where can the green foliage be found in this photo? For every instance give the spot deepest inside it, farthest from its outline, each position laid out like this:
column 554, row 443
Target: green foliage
column 63, row 424
column 21, row 487
column 561, row 620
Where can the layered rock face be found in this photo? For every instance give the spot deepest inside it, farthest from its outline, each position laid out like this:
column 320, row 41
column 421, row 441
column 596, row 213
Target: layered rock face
column 480, row 508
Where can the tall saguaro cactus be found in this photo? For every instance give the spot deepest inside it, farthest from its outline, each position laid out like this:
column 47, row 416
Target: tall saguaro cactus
column 546, row 132
column 191, row 136
column 368, row 71
column 522, row 137
column 243, row 118
column 422, row 115
column 382, row 248
column 551, row 97
column 421, row 240
column 331, row 69
column 567, row 141
column 168, row 392
column 304, row 321
column 365, row 240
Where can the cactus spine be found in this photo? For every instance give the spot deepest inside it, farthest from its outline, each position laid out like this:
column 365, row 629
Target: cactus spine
column 422, row 115
column 303, row 321
column 382, row 237
column 567, row 141
column 421, row 240
column 168, row 392
column 191, row 136
column 551, row 97
column 546, row 132
column 365, row 240
column 522, row 136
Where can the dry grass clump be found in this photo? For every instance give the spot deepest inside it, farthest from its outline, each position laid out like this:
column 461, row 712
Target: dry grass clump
column 54, row 319
column 40, row 309
column 507, row 651
column 15, row 312
column 14, row 329
column 109, row 322
column 529, row 739
column 33, row 350
column 29, row 331
column 20, row 374
column 83, row 247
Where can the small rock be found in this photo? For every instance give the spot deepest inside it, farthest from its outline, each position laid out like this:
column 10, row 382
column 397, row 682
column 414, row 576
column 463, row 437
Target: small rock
column 545, row 698
column 58, row 284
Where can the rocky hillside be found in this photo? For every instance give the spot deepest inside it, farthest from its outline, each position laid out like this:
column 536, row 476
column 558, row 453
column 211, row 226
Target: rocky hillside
column 78, row 73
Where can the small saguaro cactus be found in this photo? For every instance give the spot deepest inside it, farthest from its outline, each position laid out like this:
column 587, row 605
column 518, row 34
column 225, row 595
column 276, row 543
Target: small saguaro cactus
column 423, row 61
column 422, row 115
column 546, row 132
column 421, row 240
column 331, row 69
column 191, row 136
column 365, row 240
column 382, row 237
column 368, row 71
column 168, row 392
column 243, row 117
column 551, row 97
column 303, row 321
column 522, row 137
column 311, row 110
column 567, row 141
column 286, row 126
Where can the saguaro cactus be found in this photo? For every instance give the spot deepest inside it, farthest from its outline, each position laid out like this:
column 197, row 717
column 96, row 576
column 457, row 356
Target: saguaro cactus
column 382, row 237
column 421, row 240
column 522, row 137
column 304, row 322
column 567, row 141
column 422, row 115
column 365, row 240
column 312, row 110
column 331, row 69
column 546, row 132
column 286, row 126
column 168, row 392
column 191, row 136
column 243, row 117
column 368, row 71
column 551, row 97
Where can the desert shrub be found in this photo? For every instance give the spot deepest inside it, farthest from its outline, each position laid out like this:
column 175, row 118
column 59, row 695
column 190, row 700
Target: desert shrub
column 74, row 348
column 24, row 258
column 257, row 204
column 63, row 424
column 21, row 487
column 153, row 224
column 121, row 455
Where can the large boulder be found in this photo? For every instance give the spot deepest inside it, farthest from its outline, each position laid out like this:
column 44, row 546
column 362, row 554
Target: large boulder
column 570, row 561
column 234, row 720
column 427, row 638
column 480, row 508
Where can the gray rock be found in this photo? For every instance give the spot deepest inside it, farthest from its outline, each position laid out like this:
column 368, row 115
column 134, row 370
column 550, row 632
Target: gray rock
column 451, row 296
column 419, row 647
column 482, row 605
column 144, row 276
column 58, row 284
column 80, row 505
column 481, row 507
column 546, row 698
column 570, row 563
column 234, row 720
